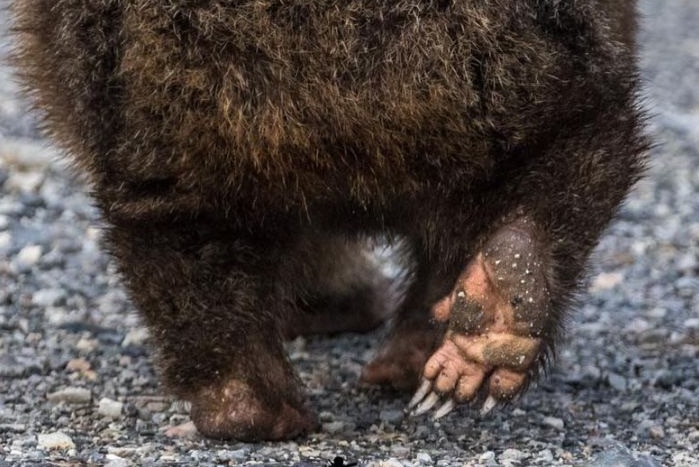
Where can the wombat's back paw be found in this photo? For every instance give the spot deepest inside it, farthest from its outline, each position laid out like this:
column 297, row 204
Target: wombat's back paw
column 236, row 411
column 400, row 361
column 414, row 334
column 498, row 314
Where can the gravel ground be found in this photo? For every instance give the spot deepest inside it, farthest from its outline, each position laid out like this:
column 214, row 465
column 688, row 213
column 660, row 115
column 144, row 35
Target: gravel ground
column 77, row 386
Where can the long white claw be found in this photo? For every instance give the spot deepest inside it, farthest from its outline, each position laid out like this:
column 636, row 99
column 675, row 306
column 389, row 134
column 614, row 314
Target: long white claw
column 447, row 407
column 426, row 405
column 420, row 393
column 488, row 405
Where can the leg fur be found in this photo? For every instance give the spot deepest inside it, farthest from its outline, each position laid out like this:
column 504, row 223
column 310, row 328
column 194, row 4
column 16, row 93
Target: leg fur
column 209, row 299
column 505, row 311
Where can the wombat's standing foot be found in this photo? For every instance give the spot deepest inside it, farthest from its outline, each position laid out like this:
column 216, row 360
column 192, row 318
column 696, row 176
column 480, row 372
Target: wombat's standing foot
column 235, row 410
column 400, row 361
column 496, row 315
column 206, row 296
column 415, row 335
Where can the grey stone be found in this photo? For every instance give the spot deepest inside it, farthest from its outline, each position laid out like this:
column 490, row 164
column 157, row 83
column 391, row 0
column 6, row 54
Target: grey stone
column 71, row 395
column 553, row 422
column 391, row 416
column 55, row 440
column 110, row 408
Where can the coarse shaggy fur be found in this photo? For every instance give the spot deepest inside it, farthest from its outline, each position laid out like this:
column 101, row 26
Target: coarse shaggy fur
column 240, row 150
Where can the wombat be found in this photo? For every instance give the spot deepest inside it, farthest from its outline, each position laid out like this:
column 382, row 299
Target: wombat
column 242, row 152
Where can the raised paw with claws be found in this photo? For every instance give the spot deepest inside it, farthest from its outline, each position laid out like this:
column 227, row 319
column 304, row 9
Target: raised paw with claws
column 496, row 315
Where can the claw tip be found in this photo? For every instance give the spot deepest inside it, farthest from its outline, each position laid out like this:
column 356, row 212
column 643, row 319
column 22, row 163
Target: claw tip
column 445, row 409
column 488, row 405
column 420, row 394
column 426, row 404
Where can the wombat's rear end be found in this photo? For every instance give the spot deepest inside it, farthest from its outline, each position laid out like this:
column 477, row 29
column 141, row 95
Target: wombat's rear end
column 240, row 151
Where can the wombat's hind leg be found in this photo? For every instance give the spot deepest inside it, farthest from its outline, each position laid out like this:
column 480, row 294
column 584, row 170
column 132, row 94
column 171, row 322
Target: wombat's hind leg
column 241, row 408
column 400, row 361
column 498, row 314
column 414, row 334
column 209, row 299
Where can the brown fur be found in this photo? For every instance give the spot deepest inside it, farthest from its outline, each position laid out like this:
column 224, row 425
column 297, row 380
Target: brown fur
column 231, row 144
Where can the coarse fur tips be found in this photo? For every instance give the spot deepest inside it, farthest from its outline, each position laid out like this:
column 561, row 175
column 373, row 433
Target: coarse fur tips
column 242, row 151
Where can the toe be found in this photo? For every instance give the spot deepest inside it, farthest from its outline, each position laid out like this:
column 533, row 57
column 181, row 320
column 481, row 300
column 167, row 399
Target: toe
column 505, row 384
column 441, row 311
column 470, row 382
column 447, row 379
column 447, row 353
column 499, row 349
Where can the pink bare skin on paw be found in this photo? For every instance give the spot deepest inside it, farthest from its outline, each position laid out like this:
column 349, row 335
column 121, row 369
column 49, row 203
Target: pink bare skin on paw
column 495, row 315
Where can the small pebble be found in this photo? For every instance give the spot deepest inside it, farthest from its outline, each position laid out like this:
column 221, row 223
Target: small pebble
column 24, row 182
column 110, row 408
column 86, row 345
column 401, row 451
column 227, row 455
column 307, row 451
column 13, row 428
column 115, row 461
column 5, row 241
column 135, row 337
column 28, row 257
column 637, row 326
column 391, row 416
column 240, row 454
column 606, row 281
column 168, row 458
column 657, row 312
column 334, row 427
column 545, row 456
column 48, row 297
column 71, row 395
column 389, row 463
column 616, row 381
column 554, row 422
column 55, row 440
column 512, row 456
column 656, row 432
column 78, row 364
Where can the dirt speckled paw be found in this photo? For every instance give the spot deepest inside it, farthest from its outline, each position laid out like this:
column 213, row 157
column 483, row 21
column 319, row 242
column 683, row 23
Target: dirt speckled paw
column 497, row 315
column 236, row 411
column 466, row 365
